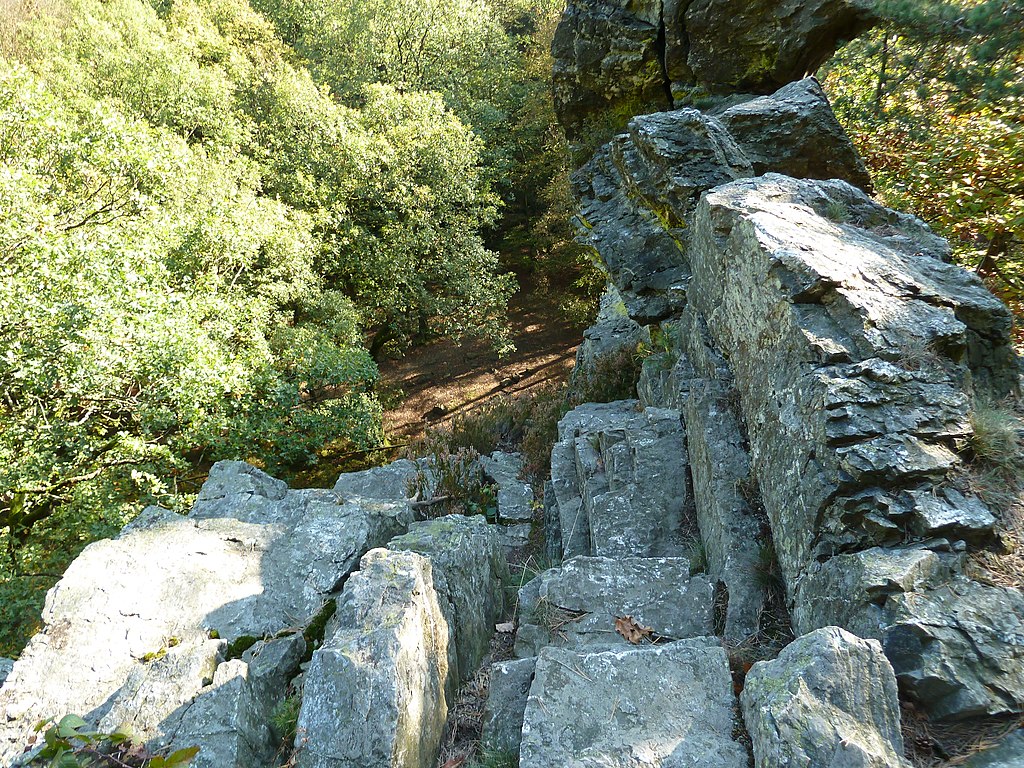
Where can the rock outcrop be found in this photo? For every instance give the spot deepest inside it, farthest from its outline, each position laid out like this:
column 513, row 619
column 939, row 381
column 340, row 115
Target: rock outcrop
column 615, row 59
column 823, row 352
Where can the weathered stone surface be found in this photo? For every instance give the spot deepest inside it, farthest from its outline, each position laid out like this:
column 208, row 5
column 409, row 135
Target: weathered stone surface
column 639, row 192
column 575, row 606
column 853, row 589
column 6, row 665
column 830, row 699
column 795, row 132
column 469, row 571
column 615, row 59
column 757, row 46
column 507, row 692
column 616, row 481
column 607, row 64
column 392, row 482
column 375, row 693
column 959, row 649
column 613, row 332
column 230, row 719
column 515, row 496
column 126, row 631
column 659, row 706
column 1009, row 753
column 820, row 318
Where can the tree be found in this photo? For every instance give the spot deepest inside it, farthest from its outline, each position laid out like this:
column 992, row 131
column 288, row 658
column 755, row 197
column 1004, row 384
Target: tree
column 933, row 100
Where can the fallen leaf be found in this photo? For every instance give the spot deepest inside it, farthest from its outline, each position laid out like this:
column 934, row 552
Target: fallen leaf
column 508, row 626
column 631, row 629
column 455, row 762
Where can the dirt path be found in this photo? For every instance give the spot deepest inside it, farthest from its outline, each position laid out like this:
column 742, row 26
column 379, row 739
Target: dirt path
column 447, row 378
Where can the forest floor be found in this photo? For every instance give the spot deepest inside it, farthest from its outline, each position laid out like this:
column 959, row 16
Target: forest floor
column 434, row 383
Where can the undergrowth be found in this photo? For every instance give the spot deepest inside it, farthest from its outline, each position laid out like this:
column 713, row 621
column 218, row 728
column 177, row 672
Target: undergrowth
column 995, row 472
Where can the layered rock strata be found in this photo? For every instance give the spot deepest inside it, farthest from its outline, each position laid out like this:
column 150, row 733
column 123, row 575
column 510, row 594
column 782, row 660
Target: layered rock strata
column 824, row 353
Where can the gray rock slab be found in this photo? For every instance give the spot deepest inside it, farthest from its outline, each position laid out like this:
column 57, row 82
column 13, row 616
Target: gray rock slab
column 230, row 719
column 729, row 530
column 838, row 403
column 469, row 571
column 392, row 482
column 959, row 649
column 515, row 496
column 507, row 692
column 830, row 698
column 376, row 692
column 795, row 132
column 6, row 665
column 126, row 631
column 575, row 605
column 658, row 706
column 852, row 590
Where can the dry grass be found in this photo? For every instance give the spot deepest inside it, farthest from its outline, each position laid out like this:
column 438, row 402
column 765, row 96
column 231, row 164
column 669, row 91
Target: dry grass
column 996, row 474
column 15, row 14
column 946, row 745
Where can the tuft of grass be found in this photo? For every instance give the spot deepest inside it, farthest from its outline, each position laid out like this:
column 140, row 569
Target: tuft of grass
column 995, row 473
column 614, row 377
column 491, row 759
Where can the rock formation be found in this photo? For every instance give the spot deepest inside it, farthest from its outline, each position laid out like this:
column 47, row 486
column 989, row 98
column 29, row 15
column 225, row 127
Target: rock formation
column 793, row 462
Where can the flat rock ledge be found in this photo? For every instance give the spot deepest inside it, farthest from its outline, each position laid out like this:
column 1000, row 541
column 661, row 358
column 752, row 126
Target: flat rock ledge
column 669, row 705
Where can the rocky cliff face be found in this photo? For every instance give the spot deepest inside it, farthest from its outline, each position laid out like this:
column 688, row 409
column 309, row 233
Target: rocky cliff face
column 824, row 354
column 616, row 59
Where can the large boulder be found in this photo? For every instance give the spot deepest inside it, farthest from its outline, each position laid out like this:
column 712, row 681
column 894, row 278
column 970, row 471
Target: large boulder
column 660, row 706
column 616, row 483
column 830, row 699
column 959, row 649
column 639, row 192
column 376, row 693
column 852, row 339
column 126, row 636
column 756, row 46
column 615, row 59
column 507, row 691
column 469, row 572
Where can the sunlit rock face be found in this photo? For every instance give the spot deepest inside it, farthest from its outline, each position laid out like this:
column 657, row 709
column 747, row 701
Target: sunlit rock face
column 823, row 352
column 139, row 626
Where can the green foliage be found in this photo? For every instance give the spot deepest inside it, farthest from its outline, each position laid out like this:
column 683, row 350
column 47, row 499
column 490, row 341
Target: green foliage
column 933, row 100
column 195, row 235
column 453, row 482
column 70, row 743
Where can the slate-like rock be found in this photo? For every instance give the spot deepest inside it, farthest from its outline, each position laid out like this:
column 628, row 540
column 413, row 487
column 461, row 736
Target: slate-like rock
column 617, row 481
column 469, row 572
column 391, row 482
column 231, row 718
column 515, row 496
column 829, row 699
column 662, row 706
column 755, row 46
column 794, row 132
column 575, row 605
column 959, row 649
column 6, row 665
column 376, row 692
column 607, row 64
column 819, row 297
column 507, row 692
column 126, row 632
